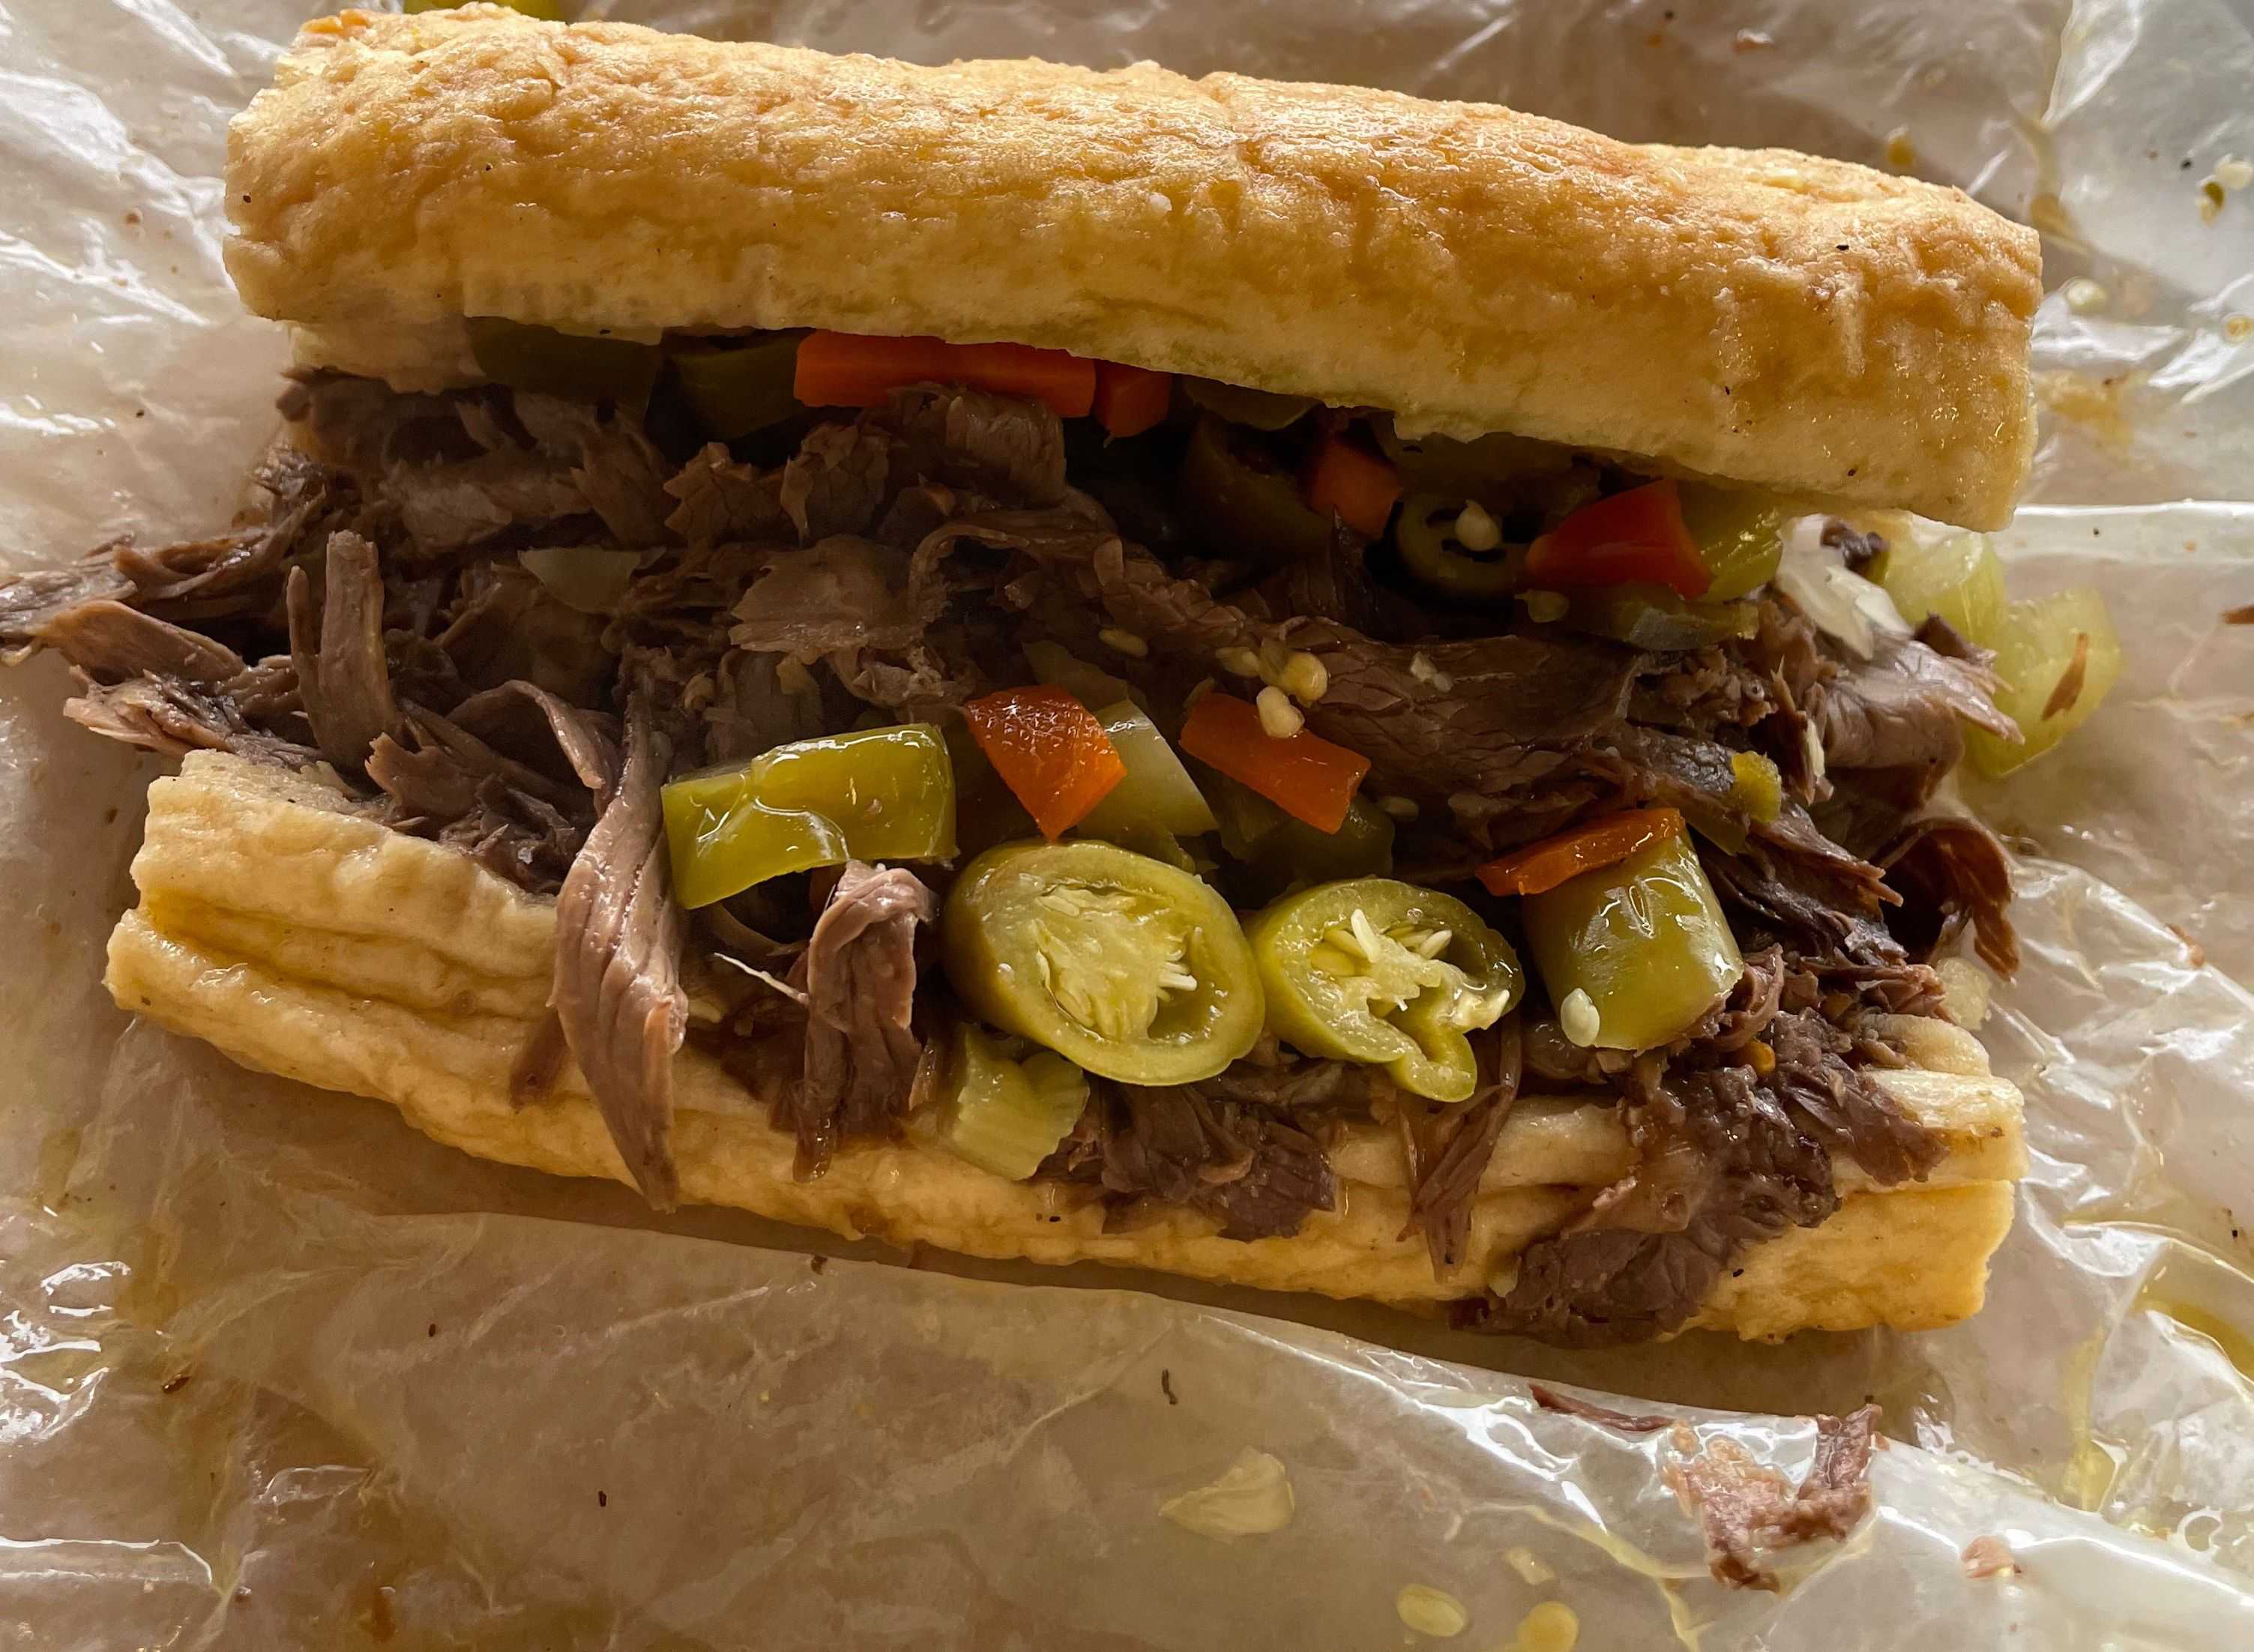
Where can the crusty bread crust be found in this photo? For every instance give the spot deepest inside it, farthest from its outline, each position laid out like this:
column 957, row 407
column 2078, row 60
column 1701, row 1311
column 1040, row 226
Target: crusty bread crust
column 1759, row 316
column 304, row 938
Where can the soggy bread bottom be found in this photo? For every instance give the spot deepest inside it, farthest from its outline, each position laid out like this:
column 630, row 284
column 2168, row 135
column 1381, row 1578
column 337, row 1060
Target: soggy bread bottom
column 302, row 938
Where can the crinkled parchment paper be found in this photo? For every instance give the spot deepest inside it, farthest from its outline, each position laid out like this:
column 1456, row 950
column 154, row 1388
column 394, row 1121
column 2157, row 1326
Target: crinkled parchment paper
column 276, row 1372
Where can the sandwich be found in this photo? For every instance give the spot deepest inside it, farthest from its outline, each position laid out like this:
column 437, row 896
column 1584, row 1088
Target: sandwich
column 1280, row 683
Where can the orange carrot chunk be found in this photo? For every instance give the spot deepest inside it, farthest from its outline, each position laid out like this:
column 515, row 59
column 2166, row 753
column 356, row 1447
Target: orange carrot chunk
column 1356, row 485
column 853, row 369
column 1638, row 537
column 1541, row 867
column 1128, row 401
column 1050, row 750
column 1305, row 775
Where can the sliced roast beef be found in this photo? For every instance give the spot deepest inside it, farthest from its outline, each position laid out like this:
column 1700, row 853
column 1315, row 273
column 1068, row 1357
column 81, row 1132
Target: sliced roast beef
column 724, row 503
column 859, row 974
column 1248, row 1167
column 838, row 481
column 1901, row 708
column 1721, row 1165
column 617, row 976
column 841, row 592
column 1008, row 446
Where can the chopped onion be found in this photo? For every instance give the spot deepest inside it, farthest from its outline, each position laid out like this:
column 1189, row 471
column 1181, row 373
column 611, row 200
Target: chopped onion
column 1841, row 604
column 587, row 577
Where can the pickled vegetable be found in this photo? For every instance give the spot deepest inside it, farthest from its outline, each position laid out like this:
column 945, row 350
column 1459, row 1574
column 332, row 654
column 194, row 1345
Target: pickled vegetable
column 879, row 794
column 1304, row 773
column 1126, row 967
column 736, row 389
column 587, row 578
column 1739, row 534
column 1654, row 617
column 1957, row 575
column 1243, row 504
column 1050, row 749
column 1280, row 852
column 573, row 365
column 1156, row 793
column 1426, row 535
column 1004, row 1114
column 1344, row 480
column 1756, row 788
column 1372, row 969
column 1636, row 537
column 1593, row 845
column 1490, row 468
column 1645, row 940
column 2059, row 657
column 1257, row 410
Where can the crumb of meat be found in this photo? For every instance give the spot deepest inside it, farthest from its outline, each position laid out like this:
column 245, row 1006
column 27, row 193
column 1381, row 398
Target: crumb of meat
column 1988, row 1558
column 1744, row 1506
column 2239, row 616
column 1551, row 1399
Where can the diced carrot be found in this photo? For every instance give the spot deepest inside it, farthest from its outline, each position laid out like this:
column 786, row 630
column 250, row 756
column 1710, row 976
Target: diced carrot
column 1130, row 400
column 1066, row 381
column 853, row 369
column 1353, row 482
column 1638, row 537
column 1304, row 775
column 1543, row 866
column 1050, row 750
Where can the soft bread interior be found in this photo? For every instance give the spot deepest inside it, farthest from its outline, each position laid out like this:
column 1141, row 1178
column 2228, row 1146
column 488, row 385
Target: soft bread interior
column 1757, row 316
column 302, row 938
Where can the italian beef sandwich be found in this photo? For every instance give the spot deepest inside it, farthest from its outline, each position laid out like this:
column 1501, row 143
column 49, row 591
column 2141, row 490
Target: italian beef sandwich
column 1281, row 682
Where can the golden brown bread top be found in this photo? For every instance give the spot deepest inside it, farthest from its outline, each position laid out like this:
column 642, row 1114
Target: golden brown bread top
column 303, row 937
column 1759, row 316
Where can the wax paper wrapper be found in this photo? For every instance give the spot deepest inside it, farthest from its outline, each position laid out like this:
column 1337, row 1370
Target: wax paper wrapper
column 276, row 1372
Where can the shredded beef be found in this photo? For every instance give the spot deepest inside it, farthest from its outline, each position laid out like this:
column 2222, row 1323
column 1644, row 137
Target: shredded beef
column 838, row 480
column 1448, row 1149
column 175, row 718
column 1951, row 870
column 1727, row 1155
column 1246, row 1165
column 724, row 503
column 109, row 642
column 1901, row 707
column 1745, row 1506
column 841, row 592
column 618, row 949
column 343, row 677
column 859, row 974
column 1005, row 445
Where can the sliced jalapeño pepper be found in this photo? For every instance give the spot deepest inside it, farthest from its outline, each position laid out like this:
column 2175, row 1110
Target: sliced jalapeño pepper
column 1373, row 970
column 1126, row 966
